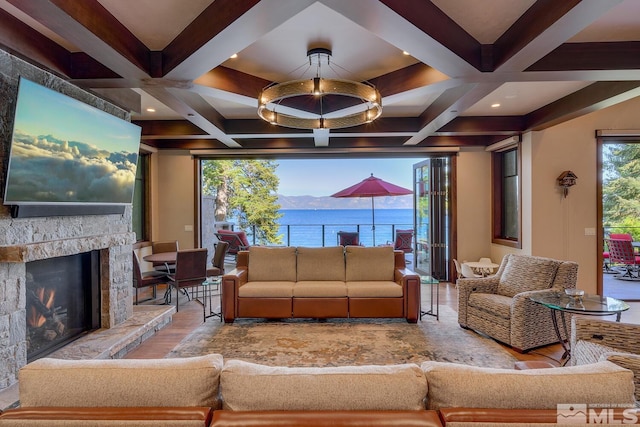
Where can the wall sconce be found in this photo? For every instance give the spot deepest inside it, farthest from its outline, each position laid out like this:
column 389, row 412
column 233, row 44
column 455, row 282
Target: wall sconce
column 566, row 180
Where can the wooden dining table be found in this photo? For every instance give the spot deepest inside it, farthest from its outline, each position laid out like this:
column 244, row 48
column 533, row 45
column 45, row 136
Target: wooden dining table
column 484, row 268
column 161, row 257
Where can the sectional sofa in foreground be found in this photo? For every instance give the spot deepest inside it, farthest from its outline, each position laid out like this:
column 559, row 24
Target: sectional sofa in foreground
column 209, row 391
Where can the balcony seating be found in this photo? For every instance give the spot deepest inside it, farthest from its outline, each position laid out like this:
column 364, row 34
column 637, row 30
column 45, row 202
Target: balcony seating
column 348, row 238
column 499, row 305
column 621, row 252
column 607, row 267
column 237, row 241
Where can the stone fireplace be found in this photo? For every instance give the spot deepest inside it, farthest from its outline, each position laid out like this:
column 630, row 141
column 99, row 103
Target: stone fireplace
column 23, row 240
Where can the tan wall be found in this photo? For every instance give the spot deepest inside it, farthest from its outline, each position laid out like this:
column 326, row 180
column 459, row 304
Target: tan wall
column 175, row 198
column 474, row 204
column 553, row 226
column 559, row 224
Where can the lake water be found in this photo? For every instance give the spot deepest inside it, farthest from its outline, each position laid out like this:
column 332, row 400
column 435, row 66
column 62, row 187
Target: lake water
column 319, row 227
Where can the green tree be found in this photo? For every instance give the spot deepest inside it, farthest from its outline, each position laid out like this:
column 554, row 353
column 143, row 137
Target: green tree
column 247, row 191
column 621, row 188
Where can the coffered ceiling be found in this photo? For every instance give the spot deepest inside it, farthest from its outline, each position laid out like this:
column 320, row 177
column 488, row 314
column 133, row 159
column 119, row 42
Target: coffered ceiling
column 542, row 61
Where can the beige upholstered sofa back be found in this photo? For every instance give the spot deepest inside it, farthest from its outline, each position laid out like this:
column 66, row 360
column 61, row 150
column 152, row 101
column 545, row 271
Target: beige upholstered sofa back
column 175, row 382
column 370, row 263
column 325, row 264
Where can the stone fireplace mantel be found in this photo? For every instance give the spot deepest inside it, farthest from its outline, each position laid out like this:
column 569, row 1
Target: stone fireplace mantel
column 28, row 252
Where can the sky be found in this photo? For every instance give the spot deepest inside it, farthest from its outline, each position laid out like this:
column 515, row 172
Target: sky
column 301, row 177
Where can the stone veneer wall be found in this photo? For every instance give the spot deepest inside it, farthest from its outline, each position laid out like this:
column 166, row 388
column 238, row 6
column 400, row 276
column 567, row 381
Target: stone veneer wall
column 28, row 239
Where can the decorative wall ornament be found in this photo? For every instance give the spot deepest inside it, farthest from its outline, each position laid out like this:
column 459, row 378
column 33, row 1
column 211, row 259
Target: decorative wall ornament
column 565, row 180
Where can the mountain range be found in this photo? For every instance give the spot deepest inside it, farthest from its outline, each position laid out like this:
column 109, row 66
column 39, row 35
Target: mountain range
column 326, row 202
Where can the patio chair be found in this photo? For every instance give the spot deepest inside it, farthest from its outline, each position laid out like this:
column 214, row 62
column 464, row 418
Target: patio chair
column 348, row 238
column 237, row 241
column 621, row 252
column 607, row 267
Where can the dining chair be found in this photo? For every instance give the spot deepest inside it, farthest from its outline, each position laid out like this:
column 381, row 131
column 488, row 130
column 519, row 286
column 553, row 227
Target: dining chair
column 164, row 246
column 468, row 271
column 143, row 279
column 191, row 271
column 217, row 262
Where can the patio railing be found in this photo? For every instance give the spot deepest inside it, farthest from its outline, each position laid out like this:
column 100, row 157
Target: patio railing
column 314, row 235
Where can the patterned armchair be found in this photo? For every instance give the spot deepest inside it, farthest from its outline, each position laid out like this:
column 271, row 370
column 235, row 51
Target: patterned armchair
column 499, row 305
column 593, row 340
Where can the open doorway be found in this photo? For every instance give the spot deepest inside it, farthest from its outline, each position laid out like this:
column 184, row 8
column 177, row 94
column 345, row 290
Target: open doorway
column 620, row 207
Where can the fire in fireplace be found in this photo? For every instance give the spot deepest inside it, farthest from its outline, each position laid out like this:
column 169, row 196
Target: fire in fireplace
column 63, row 301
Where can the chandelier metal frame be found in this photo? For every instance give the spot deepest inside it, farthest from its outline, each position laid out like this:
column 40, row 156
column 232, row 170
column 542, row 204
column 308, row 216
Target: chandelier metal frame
column 271, row 96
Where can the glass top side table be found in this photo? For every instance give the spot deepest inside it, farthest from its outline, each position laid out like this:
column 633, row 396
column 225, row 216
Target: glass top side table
column 592, row 305
column 434, row 297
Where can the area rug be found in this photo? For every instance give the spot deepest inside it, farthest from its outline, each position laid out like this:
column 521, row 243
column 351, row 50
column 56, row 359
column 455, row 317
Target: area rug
column 337, row 342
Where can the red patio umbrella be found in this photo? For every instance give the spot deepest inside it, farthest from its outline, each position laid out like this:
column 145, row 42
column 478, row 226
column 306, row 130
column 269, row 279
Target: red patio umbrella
column 373, row 187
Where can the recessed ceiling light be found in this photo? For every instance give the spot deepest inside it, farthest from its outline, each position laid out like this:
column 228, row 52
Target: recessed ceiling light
column 495, row 105
column 404, row 52
column 151, row 110
column 234, row 56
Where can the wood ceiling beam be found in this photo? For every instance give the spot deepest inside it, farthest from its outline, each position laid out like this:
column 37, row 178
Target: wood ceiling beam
column 32, row 46
column 436, row 24
column 407, row 79
column 222, row 29
column 447, row 106
column 483, row 125
column 195, row 109
column 447, row 53
column 591, row 56
column 90, row 27
column 518, row 40
column 594, row 97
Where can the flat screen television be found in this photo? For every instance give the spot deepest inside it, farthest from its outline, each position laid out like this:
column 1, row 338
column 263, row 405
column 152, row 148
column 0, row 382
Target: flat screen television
column 68, row 157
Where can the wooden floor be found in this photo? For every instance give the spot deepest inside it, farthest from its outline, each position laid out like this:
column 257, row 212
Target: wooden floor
column 190, row 317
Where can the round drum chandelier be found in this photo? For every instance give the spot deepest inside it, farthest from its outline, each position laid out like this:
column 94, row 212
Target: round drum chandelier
column 319, row 103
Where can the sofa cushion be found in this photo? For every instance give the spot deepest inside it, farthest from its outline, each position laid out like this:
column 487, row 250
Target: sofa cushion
column 266, row 290
column 369, row 263
column 191, row 381
column 527, row 273
column 321, row 263
column 374, row 289
column 272, row 264
column 455, row 385
column 320, row 289
column 251, row 387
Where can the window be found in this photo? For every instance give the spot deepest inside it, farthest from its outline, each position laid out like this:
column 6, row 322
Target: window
column 506, row 197
column 139, row 213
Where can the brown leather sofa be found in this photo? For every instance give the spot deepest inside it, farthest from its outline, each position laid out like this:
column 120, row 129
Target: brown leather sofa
column 327, row 282
column 204, row 391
